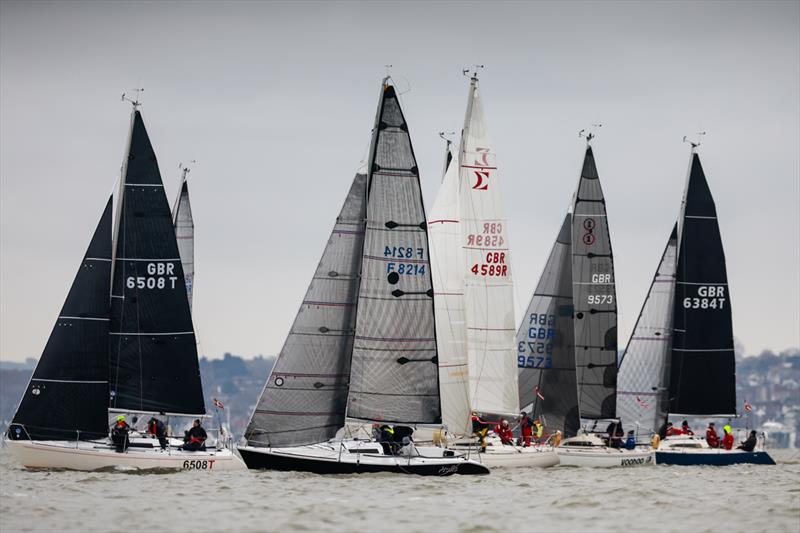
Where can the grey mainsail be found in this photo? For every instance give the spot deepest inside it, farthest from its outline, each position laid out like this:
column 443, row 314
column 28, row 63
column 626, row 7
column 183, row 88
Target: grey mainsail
column 184, row 232
column 641, row 393
column 394, row 373
column 594, row 297
column 545, row 343
column 304, row 399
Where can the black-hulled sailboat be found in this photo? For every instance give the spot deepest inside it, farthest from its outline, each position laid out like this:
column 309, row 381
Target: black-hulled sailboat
column 680, row 358
column 123, row 343
column 567, row 342
column 363, row 345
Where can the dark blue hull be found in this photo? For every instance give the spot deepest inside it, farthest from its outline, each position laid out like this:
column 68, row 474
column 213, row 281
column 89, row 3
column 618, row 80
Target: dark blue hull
column 721, row 458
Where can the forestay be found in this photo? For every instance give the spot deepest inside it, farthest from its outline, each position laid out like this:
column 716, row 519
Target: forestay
column 394, row 373
column 67, row 397
column 641, row 394
column 702, row 364
column 545, row 343
column 304, row 399
column 594, row 297
column 184, row 233
column 153, row 353
column 488, row 286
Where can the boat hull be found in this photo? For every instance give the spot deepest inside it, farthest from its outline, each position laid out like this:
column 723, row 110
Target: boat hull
column 320, row 461
column 605, row 457
column 712, row 457
column 518, row 457
column 95, row 456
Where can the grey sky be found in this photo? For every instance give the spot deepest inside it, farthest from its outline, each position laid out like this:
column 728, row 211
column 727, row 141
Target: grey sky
column 276, row 101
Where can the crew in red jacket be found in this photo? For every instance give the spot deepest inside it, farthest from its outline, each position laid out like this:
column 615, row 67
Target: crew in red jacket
column 525, row 429
column 727, row 440
column 711, row 436
column 503, row 430
column 672, row 430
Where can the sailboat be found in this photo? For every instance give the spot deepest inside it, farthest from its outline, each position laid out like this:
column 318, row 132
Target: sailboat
column 363, row 345
column 473, row 299
column 123, row 343
column 567, row 341
column 680, row 357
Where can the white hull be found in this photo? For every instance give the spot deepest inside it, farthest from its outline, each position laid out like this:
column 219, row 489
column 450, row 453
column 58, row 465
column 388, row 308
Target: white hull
column 517, row 456
column 605, row 457
column 99, row 455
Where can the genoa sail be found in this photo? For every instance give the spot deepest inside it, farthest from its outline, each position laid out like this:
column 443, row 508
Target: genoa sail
column 447, row 263
column 641, row 393
column 394, row 372
column 488, row 286
column 594, row 296
column 545, row 343
column 702, row 368
column 184, row 233
column 304, row 399
column 67, row 398
column 153, row 352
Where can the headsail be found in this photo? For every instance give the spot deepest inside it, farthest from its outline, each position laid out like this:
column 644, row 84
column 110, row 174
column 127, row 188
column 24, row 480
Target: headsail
column 153, row 352
column 394, row 373
column 641, row 393
column 447, row 264
column 67, row 395
column 545, row 343
column 594, row 296
column 702, row 364
column 488, row 286
column 304, row 399
column 184, row 232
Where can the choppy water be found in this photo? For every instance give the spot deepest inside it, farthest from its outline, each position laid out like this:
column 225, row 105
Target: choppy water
column 660, row 498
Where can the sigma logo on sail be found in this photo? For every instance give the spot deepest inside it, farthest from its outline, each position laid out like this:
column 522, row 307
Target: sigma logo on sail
column 160, row 276
column 708, row 297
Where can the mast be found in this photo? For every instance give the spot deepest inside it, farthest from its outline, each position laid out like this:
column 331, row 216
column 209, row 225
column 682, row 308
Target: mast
column 702, row 366
column 488, row 284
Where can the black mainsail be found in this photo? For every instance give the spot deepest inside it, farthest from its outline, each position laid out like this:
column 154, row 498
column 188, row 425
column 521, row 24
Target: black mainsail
column 67, row 395
column 594, row 297
column 545, row 343
column 394, row 372
column 153, row 352
column 702, row 368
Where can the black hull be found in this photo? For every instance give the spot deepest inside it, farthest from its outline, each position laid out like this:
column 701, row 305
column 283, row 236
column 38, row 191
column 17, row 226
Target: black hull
column 269, row 461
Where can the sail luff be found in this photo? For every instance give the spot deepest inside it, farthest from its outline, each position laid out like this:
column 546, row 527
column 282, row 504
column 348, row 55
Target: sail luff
column 488, row 285
column 67, row 396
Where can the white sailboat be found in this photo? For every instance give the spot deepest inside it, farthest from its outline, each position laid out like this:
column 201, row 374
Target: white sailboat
column 123, row 343
column 362, row 348
column 473, row 297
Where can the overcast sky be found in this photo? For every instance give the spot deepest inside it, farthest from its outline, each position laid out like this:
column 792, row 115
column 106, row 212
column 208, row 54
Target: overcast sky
column 276, row 102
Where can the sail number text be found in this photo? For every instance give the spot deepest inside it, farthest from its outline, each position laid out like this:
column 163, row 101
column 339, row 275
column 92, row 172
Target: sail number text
column 159, row 276
column 490, row 237
column 494, row 265
column 405, row 268
column 541, row 336
column 708, row 297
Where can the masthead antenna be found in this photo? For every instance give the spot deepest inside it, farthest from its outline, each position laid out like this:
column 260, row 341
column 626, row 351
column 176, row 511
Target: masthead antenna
column 472, row 73
column 693, row 143
column 186, row 168
column 445, row 136
column 592, row 132
column 133, row 101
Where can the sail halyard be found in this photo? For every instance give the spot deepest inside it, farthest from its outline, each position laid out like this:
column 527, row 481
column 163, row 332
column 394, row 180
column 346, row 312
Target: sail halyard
column 594, row 297
column 702, row 367
column 394, row 372
column 487, row 276
column 153, row 352
column 66, row 398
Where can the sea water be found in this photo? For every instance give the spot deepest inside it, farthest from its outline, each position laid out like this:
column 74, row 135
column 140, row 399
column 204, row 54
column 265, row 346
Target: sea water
column 657, row 498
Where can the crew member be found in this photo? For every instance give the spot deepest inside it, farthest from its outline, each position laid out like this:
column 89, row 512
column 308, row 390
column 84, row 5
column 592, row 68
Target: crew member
column 615, row 434
column 750, row 444
column 525, row 429
column 537, row 430
column 711, row 436
column 119, row 434
column 727, row 439
column 503, row 430
column 630, row 443
column 686, row 429
column 195, row 439
column 156, row 428
column 672, row 430
column 480, row 429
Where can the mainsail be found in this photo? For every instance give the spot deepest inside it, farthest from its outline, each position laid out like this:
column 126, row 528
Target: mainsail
column 594, row 297
column 184, row 233
column 702, row 368
column 641, row 393
column 488, row 286
column 67, row 395
column 545, row 343
column 153, row 353
column 393, row 373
